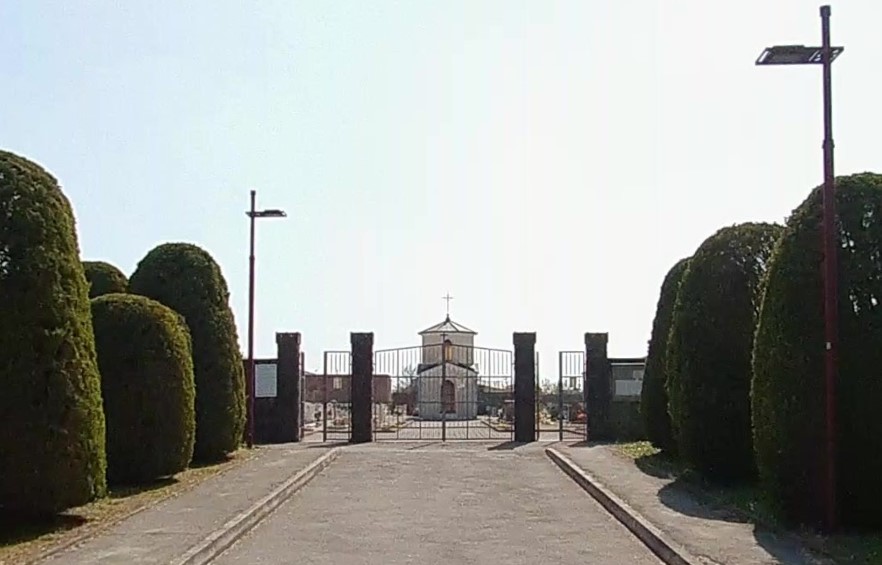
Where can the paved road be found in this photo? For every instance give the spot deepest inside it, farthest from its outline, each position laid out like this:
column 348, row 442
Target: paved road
column 395, row 504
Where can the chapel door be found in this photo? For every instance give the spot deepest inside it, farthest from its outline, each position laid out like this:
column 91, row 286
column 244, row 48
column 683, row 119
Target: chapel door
column 448, row 397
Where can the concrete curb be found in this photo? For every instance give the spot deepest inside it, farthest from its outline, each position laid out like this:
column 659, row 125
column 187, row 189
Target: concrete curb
column 666, row 550
column 222, row 538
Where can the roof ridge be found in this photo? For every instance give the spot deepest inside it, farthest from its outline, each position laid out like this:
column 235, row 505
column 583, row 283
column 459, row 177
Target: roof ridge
column 451, row 327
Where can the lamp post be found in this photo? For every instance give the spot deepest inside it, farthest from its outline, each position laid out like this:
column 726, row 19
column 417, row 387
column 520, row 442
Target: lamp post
column 824, row 56
column 250, row 384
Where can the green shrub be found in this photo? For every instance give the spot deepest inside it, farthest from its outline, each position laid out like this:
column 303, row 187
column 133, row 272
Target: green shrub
column 185, row 278
column 788, row 384
column 51, row 422
column 653, row 397
column 104, row 278
column 710, row 346
column 146, row 366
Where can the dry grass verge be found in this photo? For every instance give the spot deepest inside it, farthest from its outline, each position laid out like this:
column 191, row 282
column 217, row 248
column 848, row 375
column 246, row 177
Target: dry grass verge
column 26, row 541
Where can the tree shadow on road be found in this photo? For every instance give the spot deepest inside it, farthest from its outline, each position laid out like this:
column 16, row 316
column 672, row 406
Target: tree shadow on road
column 328, row 445
column 685, row 498
column 15, row 528
column 740, row 504
column 587, row 443
column 506, row 446
column 659, row 465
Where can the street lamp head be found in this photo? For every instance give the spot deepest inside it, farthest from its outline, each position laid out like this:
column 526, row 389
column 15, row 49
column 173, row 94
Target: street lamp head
column 796, row 55
column 267, row 214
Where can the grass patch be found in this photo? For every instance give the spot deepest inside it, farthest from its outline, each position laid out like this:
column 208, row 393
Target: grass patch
column 651, row 460
column 638, row 449
column 26, row 540
column 749, row 501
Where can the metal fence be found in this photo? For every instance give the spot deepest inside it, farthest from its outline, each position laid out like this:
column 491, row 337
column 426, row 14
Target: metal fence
column 443, row 392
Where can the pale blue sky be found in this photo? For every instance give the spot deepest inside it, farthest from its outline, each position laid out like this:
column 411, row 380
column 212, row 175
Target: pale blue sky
column 545, row 162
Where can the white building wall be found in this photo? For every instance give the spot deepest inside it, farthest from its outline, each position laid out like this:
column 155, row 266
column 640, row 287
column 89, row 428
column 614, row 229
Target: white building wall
column 466, row 393
column 462, row 351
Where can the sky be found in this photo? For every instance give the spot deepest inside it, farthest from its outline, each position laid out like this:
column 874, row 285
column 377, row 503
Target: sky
column 545, row 162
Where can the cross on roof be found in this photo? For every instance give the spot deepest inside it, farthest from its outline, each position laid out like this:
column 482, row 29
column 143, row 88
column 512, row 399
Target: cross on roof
column 448, row 298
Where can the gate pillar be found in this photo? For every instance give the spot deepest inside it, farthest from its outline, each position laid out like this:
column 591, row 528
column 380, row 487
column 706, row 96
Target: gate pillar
column 525, row 387
column 360, row 387
column 282, row 421
column 598, row 393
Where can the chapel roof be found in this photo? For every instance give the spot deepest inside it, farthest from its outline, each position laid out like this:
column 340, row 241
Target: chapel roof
column 423, row 367
column 448, row 326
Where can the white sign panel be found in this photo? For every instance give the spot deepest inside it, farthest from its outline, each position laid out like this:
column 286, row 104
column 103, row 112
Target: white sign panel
column 628, row 388
column 265, row 380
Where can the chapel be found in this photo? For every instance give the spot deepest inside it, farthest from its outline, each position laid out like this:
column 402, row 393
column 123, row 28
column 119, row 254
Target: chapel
column 447, row 378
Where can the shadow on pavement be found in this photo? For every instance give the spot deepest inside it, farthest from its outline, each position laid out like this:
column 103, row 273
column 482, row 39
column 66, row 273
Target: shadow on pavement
column 587, row 443
column 659, row 465
column 327, row 445
column 15, row 528
column 506, row 446
column 684, row 498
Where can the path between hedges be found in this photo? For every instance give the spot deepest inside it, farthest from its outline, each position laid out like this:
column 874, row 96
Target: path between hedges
column 440, row 504
column 383, row 503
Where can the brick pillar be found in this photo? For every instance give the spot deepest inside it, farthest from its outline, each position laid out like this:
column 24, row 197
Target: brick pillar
column 360, row 393
column 598, row 393
column 525, row 387
column 285, row 417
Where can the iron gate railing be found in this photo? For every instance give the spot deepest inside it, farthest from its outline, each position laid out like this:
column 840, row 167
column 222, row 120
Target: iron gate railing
column 573, row 422
column 335, row 391
column 443, row 392
column 561, row 403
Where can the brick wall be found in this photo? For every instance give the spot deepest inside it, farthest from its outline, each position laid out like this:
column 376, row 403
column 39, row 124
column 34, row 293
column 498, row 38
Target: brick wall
column 338, row 388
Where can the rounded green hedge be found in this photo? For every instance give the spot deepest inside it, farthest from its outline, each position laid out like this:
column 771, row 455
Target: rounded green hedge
column 788, row 366
column 146, row 366
column 51, row 422
column 186, row 278
column 653, row 397
column 104, row 278
column 710, row 346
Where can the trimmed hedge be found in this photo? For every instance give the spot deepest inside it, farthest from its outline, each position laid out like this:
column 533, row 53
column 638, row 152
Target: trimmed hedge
column 146, row 366
column 710, row 346
column 186, row 278
column 653, row 396
column 104, row 278
column 788, row 385
column 51, row 422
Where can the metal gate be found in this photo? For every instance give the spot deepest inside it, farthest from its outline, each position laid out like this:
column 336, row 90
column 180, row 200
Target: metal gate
column 443, row 392
column 561, row 405
column 336, row 424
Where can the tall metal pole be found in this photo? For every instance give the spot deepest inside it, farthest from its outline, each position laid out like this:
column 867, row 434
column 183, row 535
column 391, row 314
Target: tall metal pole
column 325, row 399
column 250, row 385
column 831, row 275
column 560, row 403
column 443, row 382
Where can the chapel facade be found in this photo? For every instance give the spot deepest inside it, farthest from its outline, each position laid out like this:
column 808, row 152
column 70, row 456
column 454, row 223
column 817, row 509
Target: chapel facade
column 447, row 378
